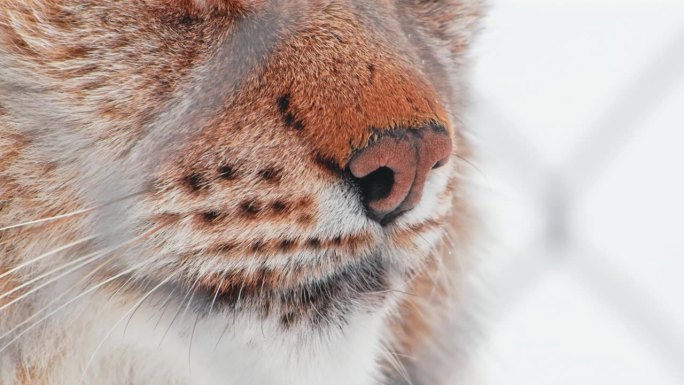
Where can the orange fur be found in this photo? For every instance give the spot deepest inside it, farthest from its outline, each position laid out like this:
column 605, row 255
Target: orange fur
column 231, row 124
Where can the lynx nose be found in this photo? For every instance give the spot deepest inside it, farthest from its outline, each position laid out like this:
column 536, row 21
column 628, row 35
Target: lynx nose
column 392, row 170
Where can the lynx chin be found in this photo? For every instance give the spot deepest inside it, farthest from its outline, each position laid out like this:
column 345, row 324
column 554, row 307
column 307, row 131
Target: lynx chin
column 223, row 192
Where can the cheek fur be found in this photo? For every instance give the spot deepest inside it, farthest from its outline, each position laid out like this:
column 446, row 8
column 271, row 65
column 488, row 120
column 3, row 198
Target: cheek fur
column 190, row 176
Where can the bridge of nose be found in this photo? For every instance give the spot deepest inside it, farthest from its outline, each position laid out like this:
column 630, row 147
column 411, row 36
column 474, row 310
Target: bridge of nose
column 339, row 85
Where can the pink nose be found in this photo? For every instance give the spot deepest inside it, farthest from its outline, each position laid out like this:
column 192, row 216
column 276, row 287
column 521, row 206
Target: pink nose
column 392, row 170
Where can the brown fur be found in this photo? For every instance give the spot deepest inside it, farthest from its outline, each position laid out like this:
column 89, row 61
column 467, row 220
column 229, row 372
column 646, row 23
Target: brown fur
column 243, row 166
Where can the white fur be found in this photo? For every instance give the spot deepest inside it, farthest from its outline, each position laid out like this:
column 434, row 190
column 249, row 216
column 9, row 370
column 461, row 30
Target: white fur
column 118, row 345
column 120, row 340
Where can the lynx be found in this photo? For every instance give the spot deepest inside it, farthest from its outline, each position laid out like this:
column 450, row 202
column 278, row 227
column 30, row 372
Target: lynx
column 232, row 191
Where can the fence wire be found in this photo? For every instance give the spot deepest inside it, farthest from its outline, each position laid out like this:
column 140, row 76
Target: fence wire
column 556, row 191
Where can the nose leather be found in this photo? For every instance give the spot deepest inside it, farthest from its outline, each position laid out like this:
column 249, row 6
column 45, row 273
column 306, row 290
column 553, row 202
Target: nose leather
column 393, row 169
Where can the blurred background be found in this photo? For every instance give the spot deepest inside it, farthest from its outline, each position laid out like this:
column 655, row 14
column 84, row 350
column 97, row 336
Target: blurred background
column 577, row 119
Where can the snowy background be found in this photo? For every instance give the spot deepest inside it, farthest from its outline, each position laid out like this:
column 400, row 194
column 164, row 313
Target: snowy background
column 577, row 119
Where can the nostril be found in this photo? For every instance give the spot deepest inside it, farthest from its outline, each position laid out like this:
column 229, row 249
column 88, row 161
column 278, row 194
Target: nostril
column 377, row 185
column 440, row 163
column 391, row 172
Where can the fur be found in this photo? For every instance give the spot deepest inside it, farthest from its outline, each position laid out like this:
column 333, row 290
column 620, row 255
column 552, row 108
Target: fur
column 175, row 203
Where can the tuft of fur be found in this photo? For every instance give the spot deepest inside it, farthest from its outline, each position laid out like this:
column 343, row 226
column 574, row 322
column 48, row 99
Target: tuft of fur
column 175, row 203
column 209, row 8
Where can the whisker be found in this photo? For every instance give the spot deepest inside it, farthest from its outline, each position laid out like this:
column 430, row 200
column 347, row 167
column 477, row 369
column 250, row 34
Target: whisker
column 403, row 285
column 435, row 278
column 130, row 318
column 216, row 294
column 81, row 295
column 175, row 316
column 397, row 291
column 164, row 307
column 82, row 280
column 57, row 299
column 396, row 364
column 43, row 256
column 449, row 236
column 88, row 258
column 472, row 165
column 192, row 297
column 192, row 336
column 225, row 329
column 129, row 312
column 117, row 291
column 84, row 261
column 402, row 355
column 71, row 214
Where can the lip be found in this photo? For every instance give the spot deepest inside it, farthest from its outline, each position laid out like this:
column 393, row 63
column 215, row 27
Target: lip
column 292, row 298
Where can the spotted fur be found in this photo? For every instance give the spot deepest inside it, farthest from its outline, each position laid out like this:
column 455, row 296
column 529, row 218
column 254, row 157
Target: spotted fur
column 175, row 200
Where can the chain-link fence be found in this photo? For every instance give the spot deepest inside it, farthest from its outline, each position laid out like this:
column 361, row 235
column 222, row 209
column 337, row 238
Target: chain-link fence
column 577, row 108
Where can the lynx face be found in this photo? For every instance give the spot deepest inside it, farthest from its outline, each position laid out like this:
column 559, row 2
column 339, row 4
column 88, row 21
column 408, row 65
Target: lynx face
column 288, row 164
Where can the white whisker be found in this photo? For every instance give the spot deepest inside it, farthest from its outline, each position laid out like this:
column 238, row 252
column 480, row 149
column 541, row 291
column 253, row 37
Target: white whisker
column 68, row 215
column 57, row 299
column 396, row 364
column 81, row 295
column 79, row 262
column 218, row 289
column 43, row 256
column 192, row 336
column 177, row 312
column 192, row 297
column 129, row 312
column 225, row 329
column 86, row 260
column 164, row 307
